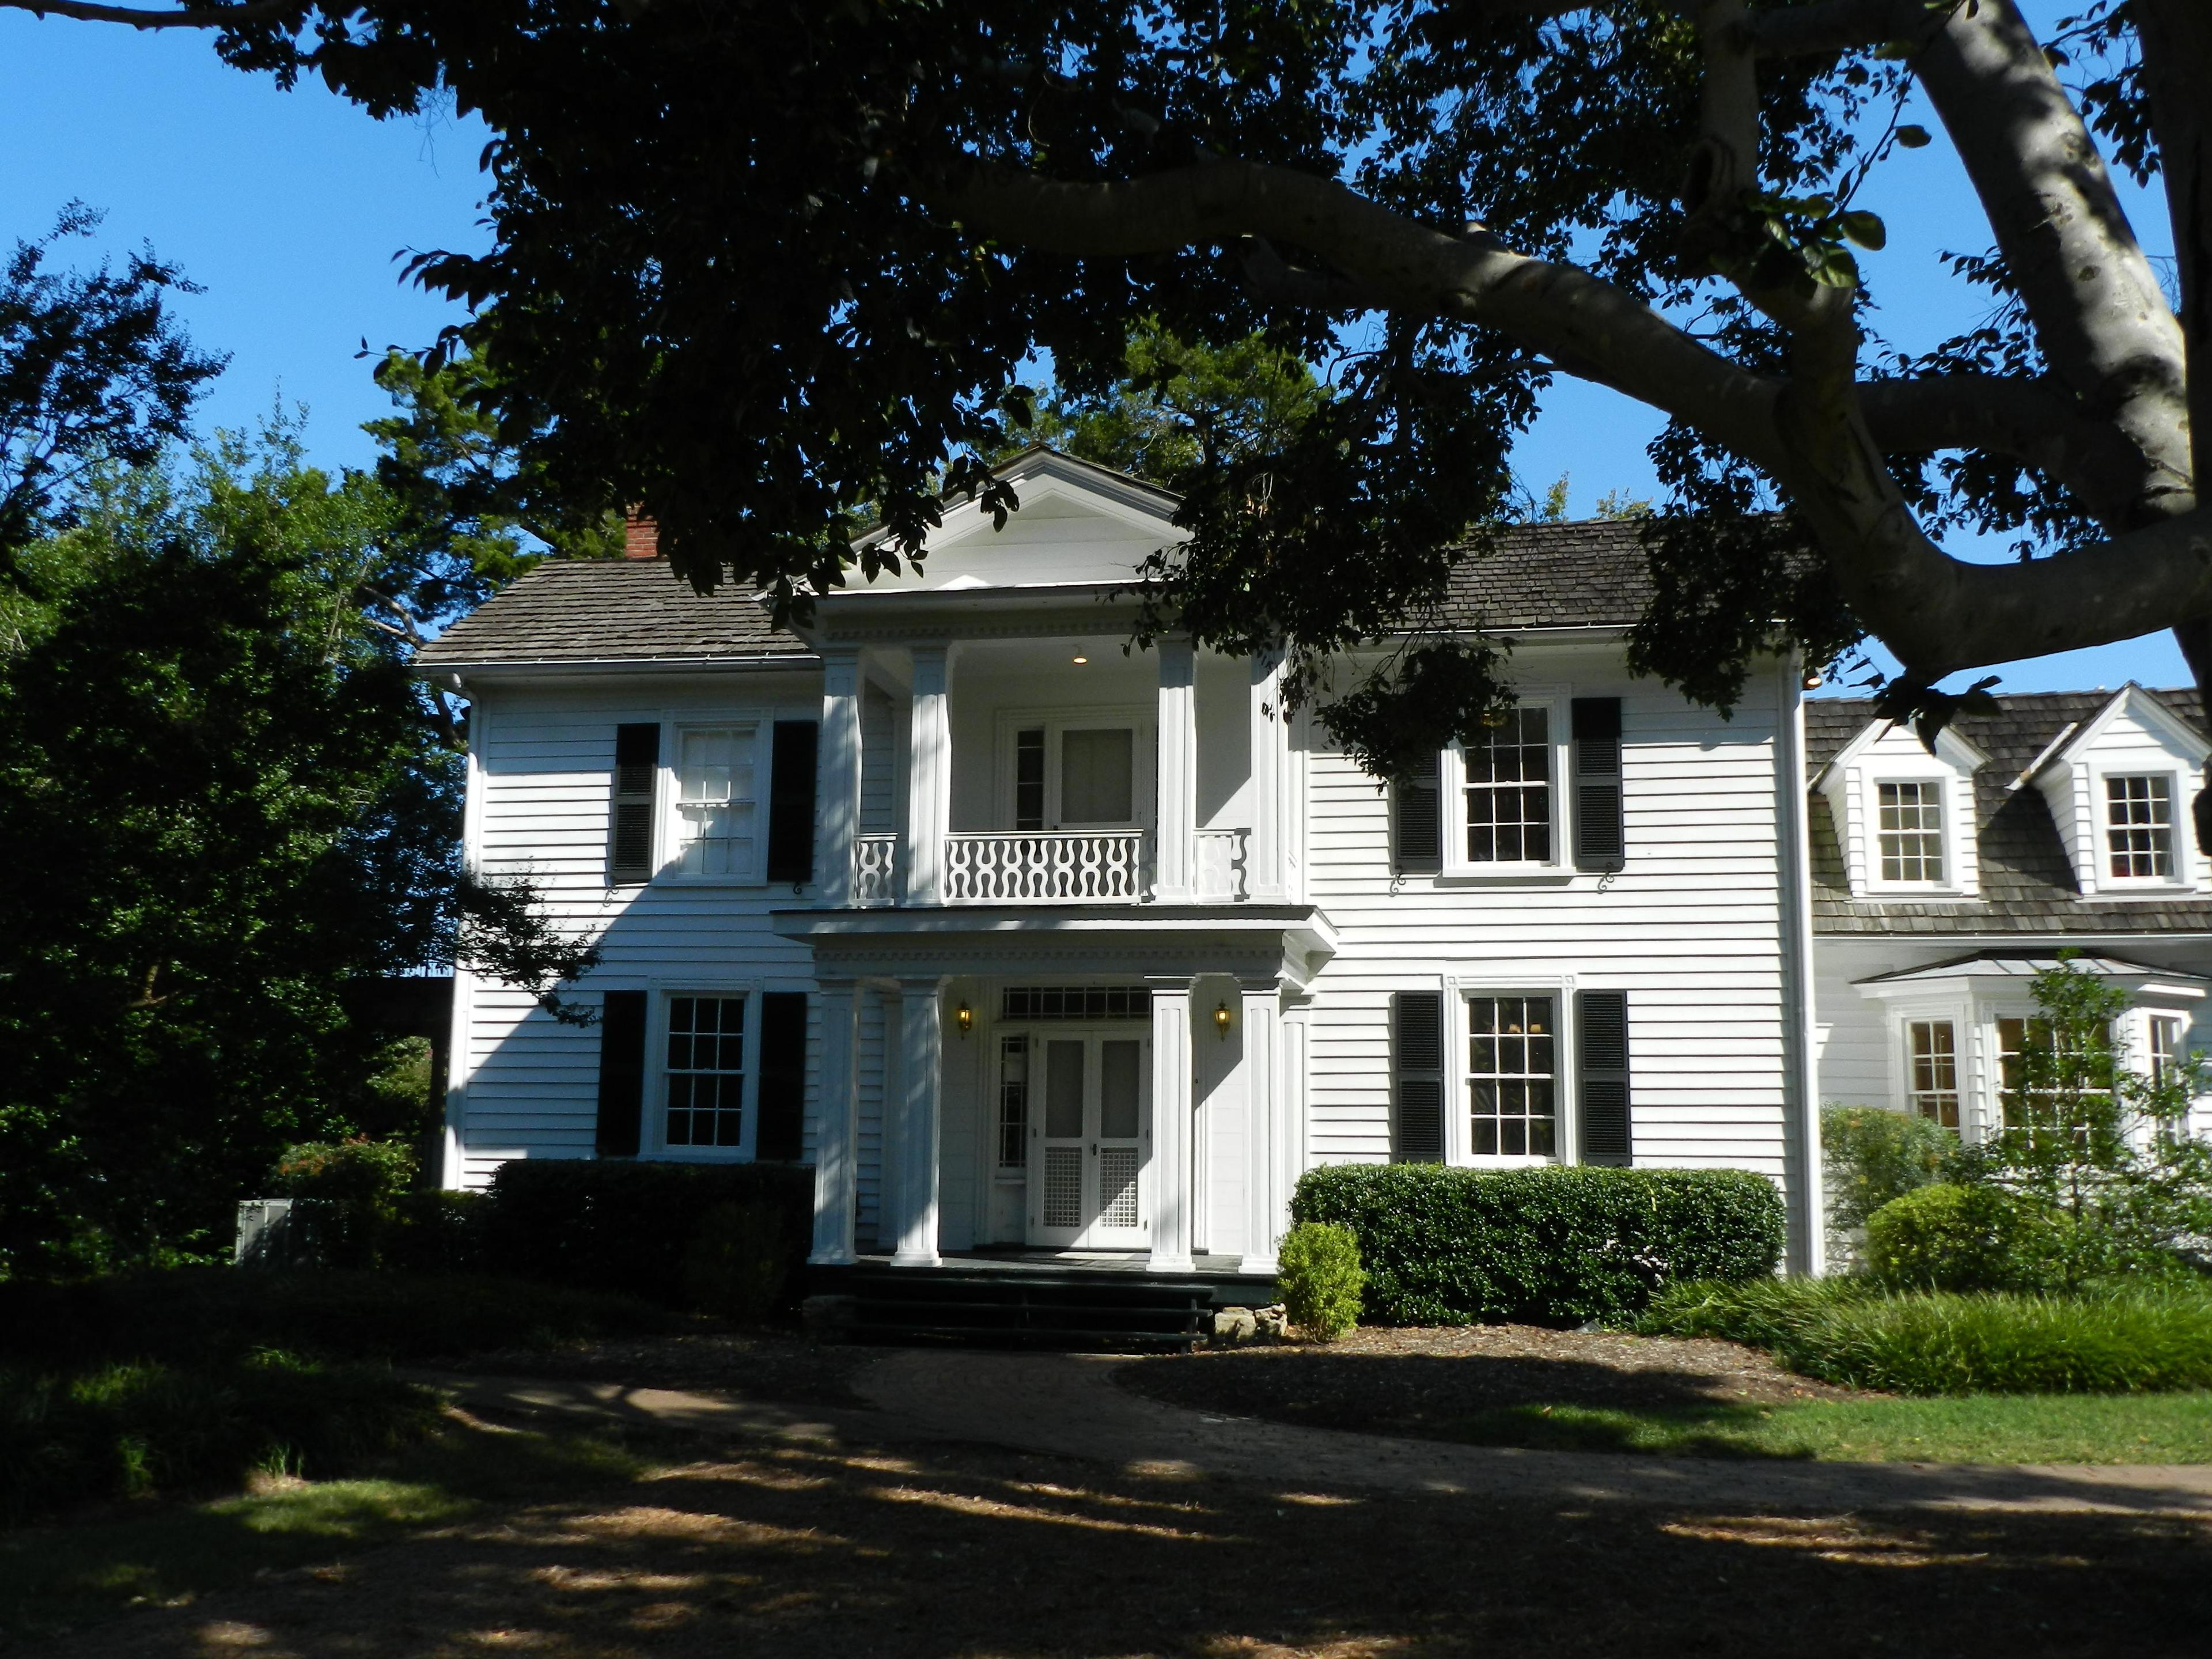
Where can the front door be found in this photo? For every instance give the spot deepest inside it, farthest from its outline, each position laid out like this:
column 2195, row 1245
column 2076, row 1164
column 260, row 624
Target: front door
column 1088, row 1144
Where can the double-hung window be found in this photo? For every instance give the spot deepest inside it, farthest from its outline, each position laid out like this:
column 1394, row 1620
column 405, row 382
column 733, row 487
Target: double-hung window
column 705, row 1071
column 716, row 801
column 1509, row 791
column 1932, row 1057
column 1909, row 830
column 1512, row 1076
column 2139, row 827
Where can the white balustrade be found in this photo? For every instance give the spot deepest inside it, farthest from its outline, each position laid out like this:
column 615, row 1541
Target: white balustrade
column 1039, row 867
column 875, row 869
column 1221, row 866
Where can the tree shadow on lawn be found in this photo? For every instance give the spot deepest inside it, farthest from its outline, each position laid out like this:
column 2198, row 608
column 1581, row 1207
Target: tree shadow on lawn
column 821, row 1547
column 1482, row 1399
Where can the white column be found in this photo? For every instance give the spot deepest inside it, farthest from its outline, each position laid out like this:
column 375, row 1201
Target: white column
column 1172, row 1125
column 1176, row 829
column 838, row 776
column 1263, row 1122
column 1264, row 881
column 837, row 1138
column 914, row 1126
column 1290, row 1137
column 928, row 776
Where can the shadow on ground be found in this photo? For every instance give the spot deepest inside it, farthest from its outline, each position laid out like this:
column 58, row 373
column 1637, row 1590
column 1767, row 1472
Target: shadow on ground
column 804, row 1545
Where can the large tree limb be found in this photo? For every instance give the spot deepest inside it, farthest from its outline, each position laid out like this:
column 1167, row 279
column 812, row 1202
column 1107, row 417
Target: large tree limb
column 184, row 17
column 1838, row 26
column 2102, row 321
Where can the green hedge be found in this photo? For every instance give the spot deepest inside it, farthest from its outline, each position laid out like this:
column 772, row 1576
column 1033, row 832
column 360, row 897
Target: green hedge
column 729, row 1238
column 1446, row 1246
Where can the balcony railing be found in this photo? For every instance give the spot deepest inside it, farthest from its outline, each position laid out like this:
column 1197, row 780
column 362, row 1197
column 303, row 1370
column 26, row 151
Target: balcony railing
column 1056, row 867
column 1220, row 865
column 875, row 869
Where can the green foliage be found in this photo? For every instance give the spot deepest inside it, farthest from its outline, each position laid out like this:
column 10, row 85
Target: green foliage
column 1446, row 1246
column 1873, row 1155
column 370, row 1173
column 1925, row 1343
column 1952, row 1237
column 1320, row 1278
column 135, row 1431
column 734, row 1236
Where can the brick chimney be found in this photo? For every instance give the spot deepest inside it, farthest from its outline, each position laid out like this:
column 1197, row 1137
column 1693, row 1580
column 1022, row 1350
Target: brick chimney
column 641, row 537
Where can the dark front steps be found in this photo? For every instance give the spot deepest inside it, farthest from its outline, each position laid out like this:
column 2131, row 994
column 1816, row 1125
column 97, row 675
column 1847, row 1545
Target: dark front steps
column 1029, row 1306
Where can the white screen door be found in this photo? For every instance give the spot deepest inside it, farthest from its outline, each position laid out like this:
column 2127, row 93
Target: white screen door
column 1087, row 1158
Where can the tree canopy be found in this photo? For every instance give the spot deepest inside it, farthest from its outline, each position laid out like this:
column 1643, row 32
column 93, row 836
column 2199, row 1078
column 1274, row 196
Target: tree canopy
column 756, row 264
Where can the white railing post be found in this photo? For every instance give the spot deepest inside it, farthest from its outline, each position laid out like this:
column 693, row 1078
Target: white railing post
column 1178, row 800
column 929, row 775
column 838, row 775
column 875, row 869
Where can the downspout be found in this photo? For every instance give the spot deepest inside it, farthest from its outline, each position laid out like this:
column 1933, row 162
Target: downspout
column 1801, row 1111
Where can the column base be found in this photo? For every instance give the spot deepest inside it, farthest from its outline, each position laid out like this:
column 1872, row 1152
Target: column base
column 917, row 1259
column 1167, row 1261
column 832, row 1258
column 1260, row 1264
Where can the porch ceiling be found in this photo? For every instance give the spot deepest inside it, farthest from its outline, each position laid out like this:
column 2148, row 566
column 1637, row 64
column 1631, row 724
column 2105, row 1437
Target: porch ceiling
column 1288, row 942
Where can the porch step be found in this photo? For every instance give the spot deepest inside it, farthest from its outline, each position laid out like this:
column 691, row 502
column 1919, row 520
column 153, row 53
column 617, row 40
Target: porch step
column 1028, row 1308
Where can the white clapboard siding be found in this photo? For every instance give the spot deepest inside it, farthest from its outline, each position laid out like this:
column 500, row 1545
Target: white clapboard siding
column 1690, row 928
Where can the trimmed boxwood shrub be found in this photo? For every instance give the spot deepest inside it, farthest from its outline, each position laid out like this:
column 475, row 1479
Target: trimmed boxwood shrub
column 1949, row 1238
column 1445, row 1246
column 731, row 1238
column 1321, row 1279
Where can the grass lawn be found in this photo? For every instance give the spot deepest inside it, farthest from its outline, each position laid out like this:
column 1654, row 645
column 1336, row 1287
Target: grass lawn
column 2166, row 1428
column 57, row 1577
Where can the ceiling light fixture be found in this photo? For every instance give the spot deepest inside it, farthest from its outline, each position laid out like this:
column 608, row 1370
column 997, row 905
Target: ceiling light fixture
column 1079, row 661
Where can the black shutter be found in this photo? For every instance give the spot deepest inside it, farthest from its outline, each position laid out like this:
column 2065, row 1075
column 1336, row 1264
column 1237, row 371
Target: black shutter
column 637, row 777
column 622, row 1073
column 791, row 781
column 1598, row 839
column 1420, row 818
column 1602, row 1050
column 782, row 1132
column 1417, row 1032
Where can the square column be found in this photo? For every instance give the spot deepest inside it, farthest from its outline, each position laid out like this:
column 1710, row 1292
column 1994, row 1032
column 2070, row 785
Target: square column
column 837, row 770
column 1172, row 1125
column 914, row 1128
column 1264, row 882
column 1289, row 1139
column 1176, row 827
column 928, row 776
column 837, row 1140
column 1261, row 1013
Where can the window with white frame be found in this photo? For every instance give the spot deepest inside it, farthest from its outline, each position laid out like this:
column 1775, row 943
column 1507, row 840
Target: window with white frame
column 2139, row 827
column 2164, row 1046
column 1512, row 1076
column 1013, row 1102
column 1910, row 832
column 1509, row 791
column 705, row 1071
column 715, row 801
column 1932, row 1061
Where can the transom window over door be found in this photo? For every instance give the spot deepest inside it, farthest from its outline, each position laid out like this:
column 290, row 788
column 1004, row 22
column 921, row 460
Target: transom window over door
column 1909, row 828
column 1512, row 1075
column 706, row 1071
column 714, row 802
column 2139, row 820
column 1931, row 1048
column 1508, row 792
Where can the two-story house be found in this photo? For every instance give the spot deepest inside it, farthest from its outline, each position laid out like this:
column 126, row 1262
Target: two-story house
column 1942, row 882
column 1024, row 937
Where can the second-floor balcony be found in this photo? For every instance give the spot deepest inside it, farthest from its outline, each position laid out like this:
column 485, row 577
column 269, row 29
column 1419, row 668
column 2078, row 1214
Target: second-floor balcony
column 1067, row 867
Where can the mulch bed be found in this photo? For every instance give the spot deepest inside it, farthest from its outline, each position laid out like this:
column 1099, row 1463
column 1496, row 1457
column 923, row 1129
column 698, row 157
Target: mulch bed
column 765, row 1364
column 1418, row 1381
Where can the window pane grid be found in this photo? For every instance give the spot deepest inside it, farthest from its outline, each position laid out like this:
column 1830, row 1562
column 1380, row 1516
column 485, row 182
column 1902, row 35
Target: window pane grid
column 1013, row 1102
column 1935, row 1071
column 2139, row 819
column 706, row 1071
column 1508, row 792
column 1911, row 832
column 715, row 803
column 1511, row 1076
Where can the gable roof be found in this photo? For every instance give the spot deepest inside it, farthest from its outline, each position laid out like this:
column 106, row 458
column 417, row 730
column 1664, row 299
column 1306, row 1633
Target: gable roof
column 2027, row 883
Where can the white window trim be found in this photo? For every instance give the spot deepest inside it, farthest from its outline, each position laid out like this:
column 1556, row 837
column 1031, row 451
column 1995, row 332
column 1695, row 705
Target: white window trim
column 1458, row 1135
column 761, row 723
column 654, row 1143
column 1142, row 718
column 2183, row 878
column 1956, row 820
column 1965, row 1050
column 1452, row 782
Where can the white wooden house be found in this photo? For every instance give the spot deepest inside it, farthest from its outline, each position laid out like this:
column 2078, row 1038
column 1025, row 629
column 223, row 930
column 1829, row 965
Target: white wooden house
column 1943, row 882
column 1022, row 937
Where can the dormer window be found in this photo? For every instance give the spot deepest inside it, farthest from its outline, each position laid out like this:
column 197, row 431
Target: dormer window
column 1910, row 832
column 2139, row 827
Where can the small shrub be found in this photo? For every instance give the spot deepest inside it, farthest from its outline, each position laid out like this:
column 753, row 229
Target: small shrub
column 1320, row 1278
column 1445, row 1246
column 1872, row 1155
column 1947, row 1237
column 739, row 1263
column 1858, row 1336
column 370, row 1173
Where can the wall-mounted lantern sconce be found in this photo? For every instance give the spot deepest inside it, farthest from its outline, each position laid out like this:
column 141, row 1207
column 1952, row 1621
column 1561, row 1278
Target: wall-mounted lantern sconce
column 966, row 1017
column 1221, row 1020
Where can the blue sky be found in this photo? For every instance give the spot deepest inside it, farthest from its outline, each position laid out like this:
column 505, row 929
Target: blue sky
column 289, row 208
